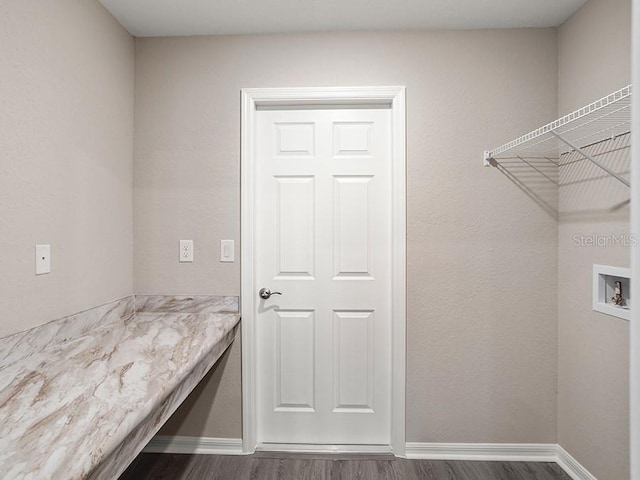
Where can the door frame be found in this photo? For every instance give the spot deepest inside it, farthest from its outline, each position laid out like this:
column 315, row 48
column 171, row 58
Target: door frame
column 252, row 99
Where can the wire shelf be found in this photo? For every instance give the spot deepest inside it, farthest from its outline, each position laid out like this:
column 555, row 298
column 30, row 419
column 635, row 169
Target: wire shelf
column 602, row 120
column 566, row 161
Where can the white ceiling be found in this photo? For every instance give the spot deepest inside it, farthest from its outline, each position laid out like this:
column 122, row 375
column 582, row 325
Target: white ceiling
column 214, row 17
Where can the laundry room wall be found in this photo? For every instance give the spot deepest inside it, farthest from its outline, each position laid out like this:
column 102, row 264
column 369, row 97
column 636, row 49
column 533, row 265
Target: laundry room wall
column 481, row 255
column 594, row 48
column 66, row 167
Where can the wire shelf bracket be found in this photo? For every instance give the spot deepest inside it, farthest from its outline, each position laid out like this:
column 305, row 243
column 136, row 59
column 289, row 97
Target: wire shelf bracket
column 591, row 159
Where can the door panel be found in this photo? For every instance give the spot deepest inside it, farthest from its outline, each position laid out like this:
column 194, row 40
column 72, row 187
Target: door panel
column 352, row 139
column 295, row 337
column 353, row 222
column 295, row 139
column 353, row 361
column 323, row 239
column 294, row 229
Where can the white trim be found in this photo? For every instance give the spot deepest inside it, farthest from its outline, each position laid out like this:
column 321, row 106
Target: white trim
column 333, row 96
column 399, row 273
column 516, row 452
column 503, row 452
column 247, row 266
column 634, row 356
column 305, row 448
column 573, row 468
column 269, row 97
column 194, row 445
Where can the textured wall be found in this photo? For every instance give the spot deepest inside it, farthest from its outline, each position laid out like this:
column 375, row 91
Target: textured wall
column 481, row 260
column 66, row 142
column 593, row 358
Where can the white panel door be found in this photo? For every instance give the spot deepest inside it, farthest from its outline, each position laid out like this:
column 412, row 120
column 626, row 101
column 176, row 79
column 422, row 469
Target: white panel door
column 323, row 240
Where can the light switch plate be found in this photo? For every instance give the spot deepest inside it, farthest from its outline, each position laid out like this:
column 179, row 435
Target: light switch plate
column 43, row 259
column 186, row 251
column 227, row 251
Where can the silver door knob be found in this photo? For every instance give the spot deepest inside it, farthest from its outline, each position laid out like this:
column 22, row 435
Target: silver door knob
column 266, row 293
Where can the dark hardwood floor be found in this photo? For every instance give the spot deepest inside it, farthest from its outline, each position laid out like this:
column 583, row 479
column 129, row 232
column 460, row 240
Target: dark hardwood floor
column 154, row 466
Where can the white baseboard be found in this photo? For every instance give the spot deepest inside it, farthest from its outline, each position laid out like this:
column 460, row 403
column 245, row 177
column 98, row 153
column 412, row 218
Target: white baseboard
column 194, row 445
column 573, row 468
column 515, row 452
column 317, row 448
column 510, row 452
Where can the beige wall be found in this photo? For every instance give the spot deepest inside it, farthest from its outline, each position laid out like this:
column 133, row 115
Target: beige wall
column 482, row 333
column 482, row 256
column 66, row 142
column 593, row 363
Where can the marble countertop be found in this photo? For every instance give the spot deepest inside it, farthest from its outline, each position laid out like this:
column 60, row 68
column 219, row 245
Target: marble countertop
column 81, row 396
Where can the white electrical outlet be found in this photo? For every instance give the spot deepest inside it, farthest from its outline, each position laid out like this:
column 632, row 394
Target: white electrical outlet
column 43, row 259
column 186, row 250
column 226, row 250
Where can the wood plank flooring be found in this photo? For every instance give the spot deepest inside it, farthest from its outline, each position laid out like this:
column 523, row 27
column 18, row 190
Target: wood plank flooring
column 155, row 466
